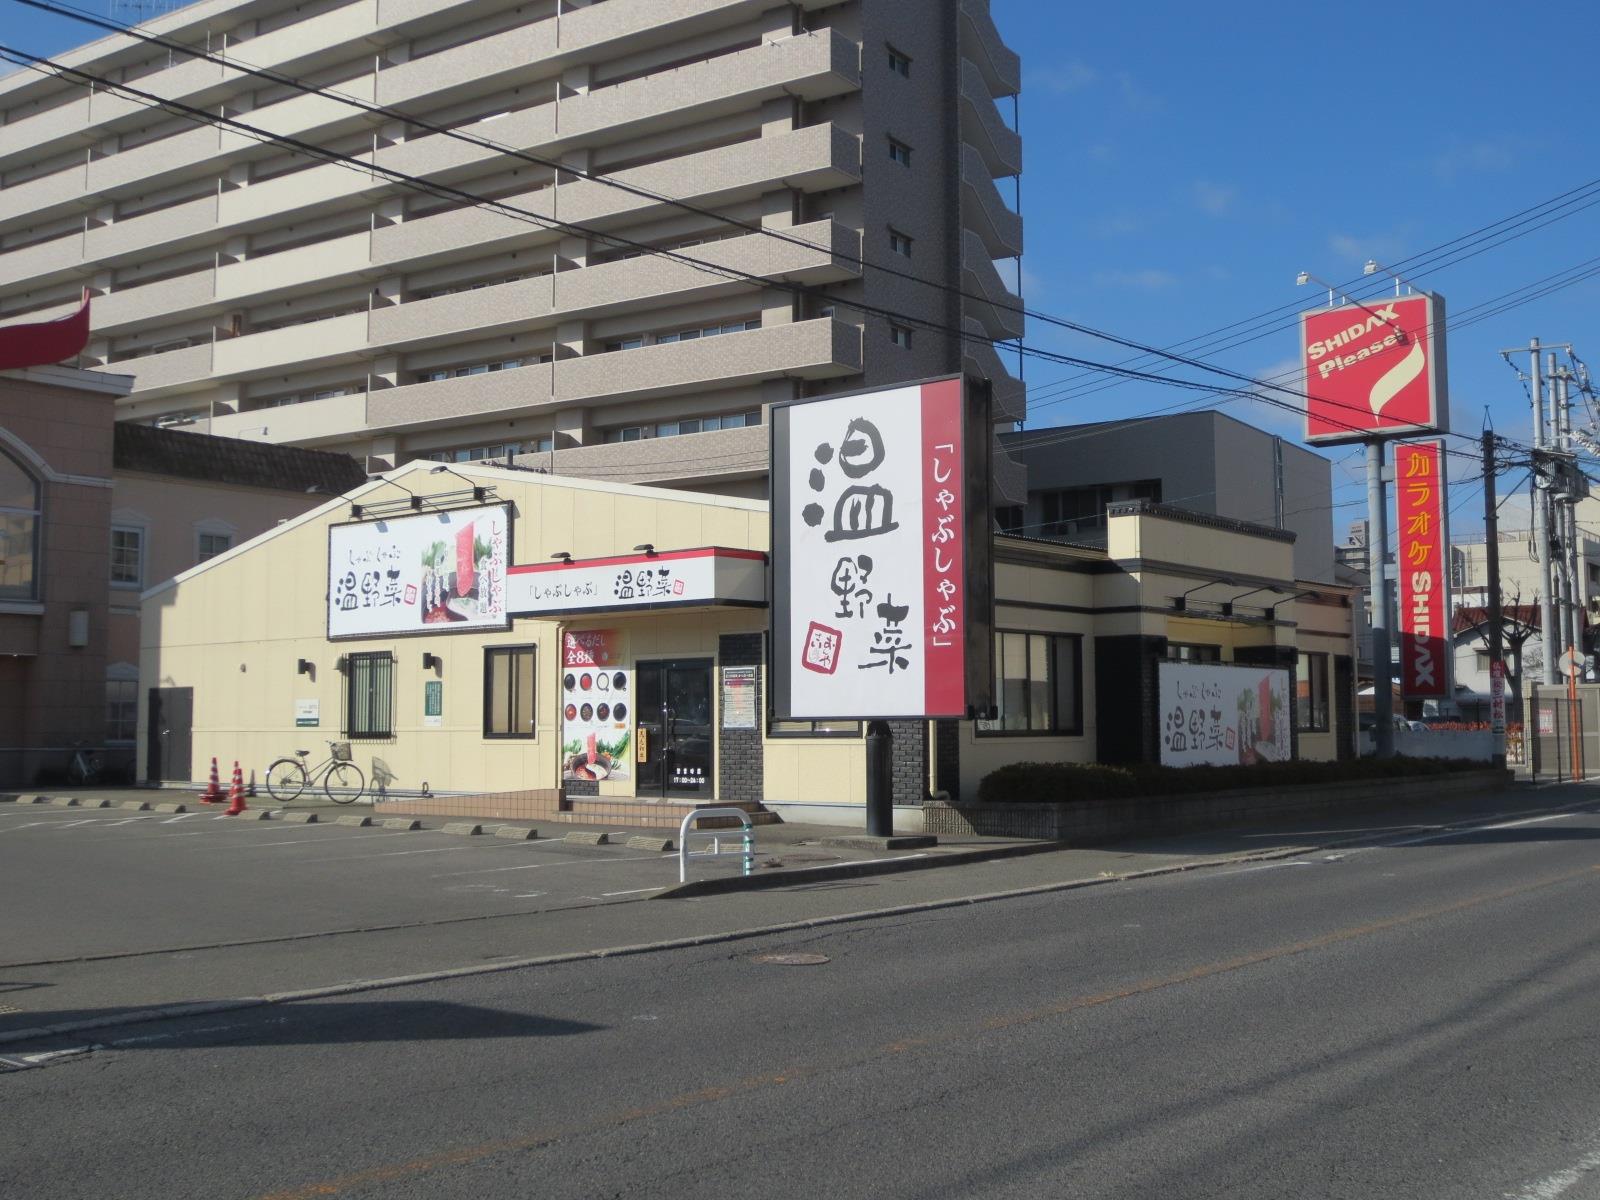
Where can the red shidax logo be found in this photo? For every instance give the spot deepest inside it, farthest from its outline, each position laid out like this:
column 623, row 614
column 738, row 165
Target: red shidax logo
column 1372, row 367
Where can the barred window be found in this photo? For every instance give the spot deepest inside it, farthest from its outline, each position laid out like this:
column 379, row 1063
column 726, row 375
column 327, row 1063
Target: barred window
column 369, row 696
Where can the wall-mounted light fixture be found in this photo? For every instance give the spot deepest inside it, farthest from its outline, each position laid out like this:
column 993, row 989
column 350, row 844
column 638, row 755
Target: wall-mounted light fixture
column 646, row 548
column 1273, row 608
column 341, row 664
column 1227, row 605
column 564, row 555
column 431, row 661
column 304, row 666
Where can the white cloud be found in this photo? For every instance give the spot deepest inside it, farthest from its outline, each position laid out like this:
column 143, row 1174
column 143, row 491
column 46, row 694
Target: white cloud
column 1149, row 279
column 1214, row 198
column 1358, row 248
column 1116, row 225
column 1134, row 97
column 1071, row 76
column 1493, row 154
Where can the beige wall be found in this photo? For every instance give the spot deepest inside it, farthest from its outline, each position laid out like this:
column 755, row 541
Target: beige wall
column 172, row 513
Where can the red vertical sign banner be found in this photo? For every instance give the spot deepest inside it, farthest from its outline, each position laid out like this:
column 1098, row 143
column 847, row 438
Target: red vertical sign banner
column 1423, row 568
column 944, row 542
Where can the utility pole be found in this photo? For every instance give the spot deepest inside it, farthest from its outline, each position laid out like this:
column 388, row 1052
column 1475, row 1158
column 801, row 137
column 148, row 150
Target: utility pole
column 1570, row 493
column 1548, row 635
column 1377, row 568
column 1497, row 653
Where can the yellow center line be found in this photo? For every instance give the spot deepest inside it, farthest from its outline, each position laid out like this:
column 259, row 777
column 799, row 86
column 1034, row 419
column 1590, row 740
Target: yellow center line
column 537, row 1139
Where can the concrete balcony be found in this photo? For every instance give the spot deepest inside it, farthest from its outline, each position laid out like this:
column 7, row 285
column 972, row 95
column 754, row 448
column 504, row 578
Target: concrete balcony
column 300, row 347
column 648, row 281
column 44, row 263
column 439, row 156
column 168, row 229
column 46, row 198
column 483, row 65
column 812, row 66
column 980, row 358
column 279, row 200
column 448, row 401
column 982, row 127
column 174, row 371
column 313, row 42
column 695, row 457
column 997, row 311
column 297, row 271
column 981, row 42
column 984, row 211
column 158, row 164
column 307, row 424
column 819, row 349
column 161, row 301
column 1008, row 478
column 816, row 158
column 486, row 312
column 98, row 113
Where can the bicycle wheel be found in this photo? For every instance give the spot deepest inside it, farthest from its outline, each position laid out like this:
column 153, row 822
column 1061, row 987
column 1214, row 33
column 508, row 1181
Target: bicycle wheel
column 286, row 779
column 344, row 783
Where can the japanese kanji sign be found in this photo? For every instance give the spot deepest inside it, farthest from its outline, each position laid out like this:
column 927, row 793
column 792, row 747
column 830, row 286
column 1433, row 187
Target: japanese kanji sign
column 1373, row 368
column 665, row 579
column 1215, row 715
column 883, row 593
column 440, row 572
column 1422, row 562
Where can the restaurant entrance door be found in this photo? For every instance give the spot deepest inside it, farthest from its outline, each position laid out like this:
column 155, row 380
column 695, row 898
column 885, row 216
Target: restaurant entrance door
column 676, row 727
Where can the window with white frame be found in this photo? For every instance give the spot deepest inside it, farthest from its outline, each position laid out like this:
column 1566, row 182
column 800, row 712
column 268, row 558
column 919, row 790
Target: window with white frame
column 209, row 545
column 127, row 555
column 19, row 531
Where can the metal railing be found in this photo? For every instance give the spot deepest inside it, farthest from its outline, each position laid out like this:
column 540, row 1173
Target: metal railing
column 747, row 836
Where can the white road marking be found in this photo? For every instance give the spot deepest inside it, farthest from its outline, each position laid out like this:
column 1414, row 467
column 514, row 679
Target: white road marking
column 75, row 824
column 397, row 853
column 1560, row 1182
column 27, row 825
column 634, row 891
column 179, row 817
column 127, row 821
column 528, row 895
column 574, row 862
column 1450, row 833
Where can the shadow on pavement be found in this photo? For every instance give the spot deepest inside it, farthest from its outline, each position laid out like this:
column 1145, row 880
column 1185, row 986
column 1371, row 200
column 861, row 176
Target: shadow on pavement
column 314, row 1023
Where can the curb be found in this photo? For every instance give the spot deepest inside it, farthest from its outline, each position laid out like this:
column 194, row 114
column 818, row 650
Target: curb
column 172, row 1011
column 889, row 866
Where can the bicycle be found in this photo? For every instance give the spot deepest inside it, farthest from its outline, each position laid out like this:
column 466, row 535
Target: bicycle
column 86, row 768
column 344, row 782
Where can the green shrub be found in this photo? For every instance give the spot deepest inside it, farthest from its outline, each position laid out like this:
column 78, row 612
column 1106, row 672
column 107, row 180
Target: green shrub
column 1050, row 783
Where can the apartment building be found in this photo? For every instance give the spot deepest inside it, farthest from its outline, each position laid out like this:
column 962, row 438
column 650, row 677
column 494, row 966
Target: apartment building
column 257, row 292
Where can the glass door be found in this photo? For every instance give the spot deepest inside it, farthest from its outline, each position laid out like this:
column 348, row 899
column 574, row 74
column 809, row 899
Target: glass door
column 674, row 719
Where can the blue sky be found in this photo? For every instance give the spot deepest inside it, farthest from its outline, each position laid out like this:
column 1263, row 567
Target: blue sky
column 1186, row 161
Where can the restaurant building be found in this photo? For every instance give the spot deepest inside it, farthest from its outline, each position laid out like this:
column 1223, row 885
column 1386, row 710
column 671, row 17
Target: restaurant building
column 507, row 643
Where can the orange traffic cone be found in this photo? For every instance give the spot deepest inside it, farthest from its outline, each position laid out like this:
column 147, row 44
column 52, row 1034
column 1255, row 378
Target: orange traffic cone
column 236, row 804
column 213, row 792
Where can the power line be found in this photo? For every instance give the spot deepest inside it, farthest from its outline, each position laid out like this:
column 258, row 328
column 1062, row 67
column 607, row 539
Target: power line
column 396, row 114
column 447, row 191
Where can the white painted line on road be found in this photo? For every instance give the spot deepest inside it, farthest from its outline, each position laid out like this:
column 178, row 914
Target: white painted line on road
column 179, row 817
column 355, row 837
column 128, row 821
column 529, row 895
column 75, row 824
column 28, row 825
column 1560, row 1182
column 860, row 862
column 474, row 844
column 1461, row 832
column 571, row 862
column 635, row 891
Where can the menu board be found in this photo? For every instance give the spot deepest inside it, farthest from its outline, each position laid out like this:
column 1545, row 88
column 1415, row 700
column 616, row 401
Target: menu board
column 738, row 697
column 596, row 706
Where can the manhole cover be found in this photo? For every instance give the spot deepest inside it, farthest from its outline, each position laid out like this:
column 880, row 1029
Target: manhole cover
column 791, row 960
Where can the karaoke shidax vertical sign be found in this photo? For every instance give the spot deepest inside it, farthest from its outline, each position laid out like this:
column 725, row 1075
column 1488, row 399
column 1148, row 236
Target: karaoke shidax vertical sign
column 1424, row 581
column 883, row 594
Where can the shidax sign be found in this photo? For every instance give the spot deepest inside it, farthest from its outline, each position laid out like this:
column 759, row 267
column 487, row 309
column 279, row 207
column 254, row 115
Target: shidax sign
column 883, row 590
column 1424, row 582
column 1374, row 368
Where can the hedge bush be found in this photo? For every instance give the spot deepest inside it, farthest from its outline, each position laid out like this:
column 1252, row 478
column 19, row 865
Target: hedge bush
column 1051, row 783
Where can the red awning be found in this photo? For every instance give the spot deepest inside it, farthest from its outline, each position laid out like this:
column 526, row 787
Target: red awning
column 45, row 342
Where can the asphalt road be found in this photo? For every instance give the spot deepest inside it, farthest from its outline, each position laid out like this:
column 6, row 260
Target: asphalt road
column 1408, row 1020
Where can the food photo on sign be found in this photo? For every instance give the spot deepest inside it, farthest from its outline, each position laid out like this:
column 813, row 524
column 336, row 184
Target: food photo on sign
column 596, row 707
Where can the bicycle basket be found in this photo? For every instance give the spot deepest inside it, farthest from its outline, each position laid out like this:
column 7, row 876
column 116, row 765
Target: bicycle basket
column 341, row 752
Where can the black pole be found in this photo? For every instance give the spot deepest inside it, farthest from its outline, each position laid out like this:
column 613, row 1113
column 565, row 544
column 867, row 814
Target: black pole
column 880, row 779
column 1491, row 556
